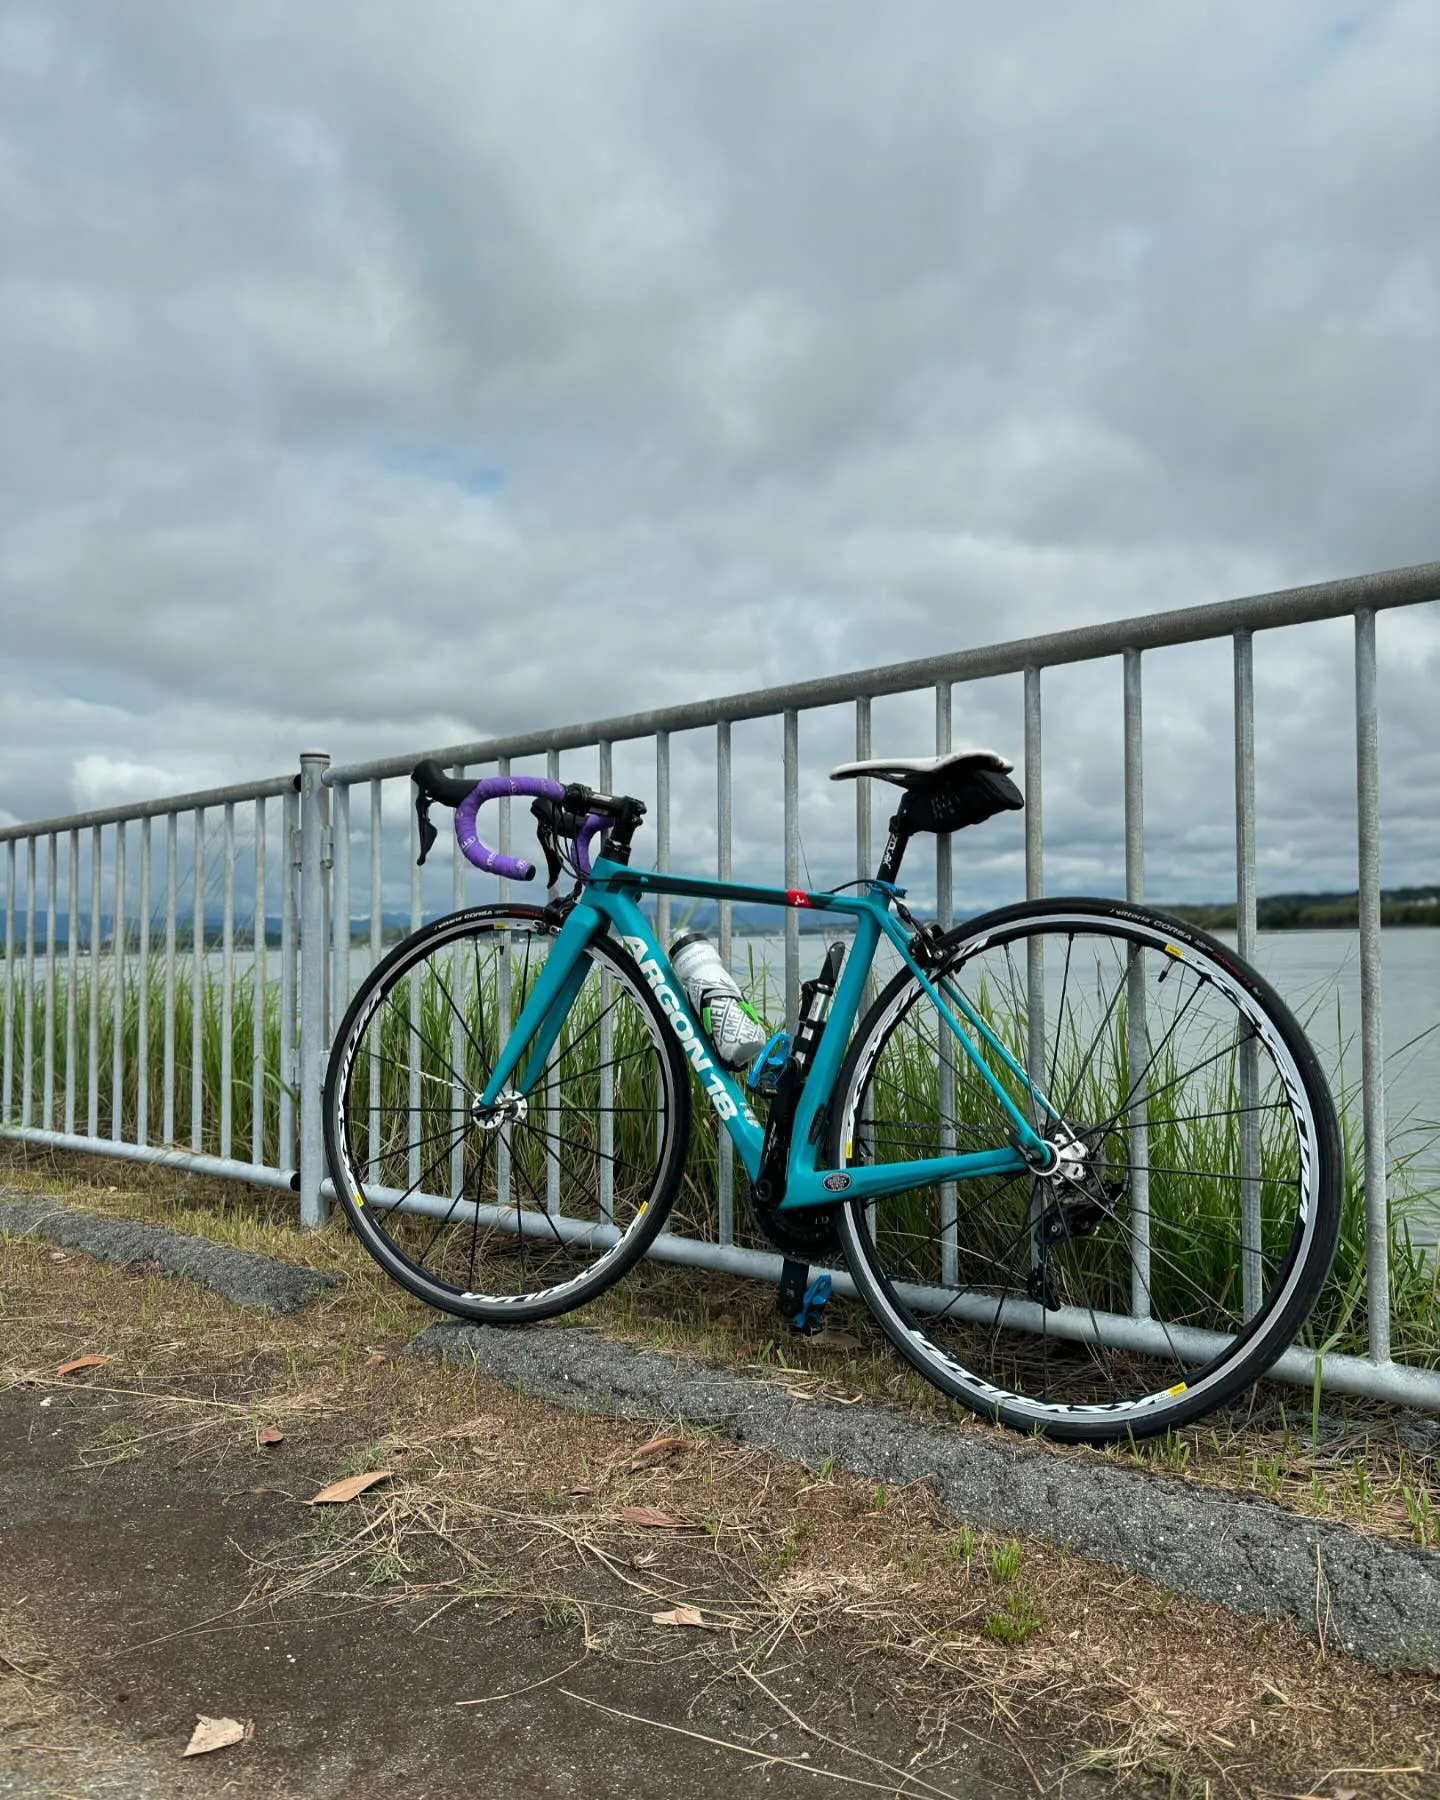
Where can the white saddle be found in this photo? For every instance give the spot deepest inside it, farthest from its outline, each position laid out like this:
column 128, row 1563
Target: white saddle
column 922, row 771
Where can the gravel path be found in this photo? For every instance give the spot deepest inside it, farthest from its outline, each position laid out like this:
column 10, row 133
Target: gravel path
column 239, row 1276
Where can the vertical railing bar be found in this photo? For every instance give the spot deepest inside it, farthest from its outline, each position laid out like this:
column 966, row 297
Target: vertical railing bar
column 27, row 1032
column 792, row 865
column 724, row 864
column 416, row 1113
column 1251, row 1272
column 7, row 1079
column 606, row 777
column 227, row 988
column 1034, row 890
column 47, row 1102
column 662, row 832
column 1137, row 1056
column 314, row 970
column 944, row 914
column 377, row 938
column 259, row 995
column 340, row 903
column 197, row 988
column 864, row 856
column 172, row 909
column 503, row 985
column 864, row 796
column 289, row 970
column 325, row 932
column 662, row 861
column 459, row 1052
column 117, row 1006
column 1367, row 794
column 72, row 979
column 92, row 1070
column 142, row 1023
column 552, row 1071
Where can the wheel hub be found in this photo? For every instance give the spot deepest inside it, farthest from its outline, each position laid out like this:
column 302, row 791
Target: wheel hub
column 510, row 1109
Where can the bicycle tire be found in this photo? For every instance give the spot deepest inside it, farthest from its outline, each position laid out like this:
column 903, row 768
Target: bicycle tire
column 1054, row 1253
column 526, row 1220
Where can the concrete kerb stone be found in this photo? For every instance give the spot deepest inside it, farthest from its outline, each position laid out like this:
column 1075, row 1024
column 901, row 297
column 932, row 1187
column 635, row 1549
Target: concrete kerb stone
column 240, row 1276
column 1377, row 1599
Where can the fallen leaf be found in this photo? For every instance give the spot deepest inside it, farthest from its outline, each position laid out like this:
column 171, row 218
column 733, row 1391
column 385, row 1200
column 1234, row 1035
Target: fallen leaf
column 82, row 1362
column 680, row 1615
column 375, row 1358
column 652, row 1517
column 836, row 1340
column 59, row 1256
column 655, row 1449
column 585, row 1487
column 269, row 1434
column 340, row 1491
column 215, row 1734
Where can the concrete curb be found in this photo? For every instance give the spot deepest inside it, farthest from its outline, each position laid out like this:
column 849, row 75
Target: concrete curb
column 240, row 1276
column 1378, row 1599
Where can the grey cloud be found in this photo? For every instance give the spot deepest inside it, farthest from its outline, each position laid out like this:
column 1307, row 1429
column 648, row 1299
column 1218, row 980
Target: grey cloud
column 797, row 339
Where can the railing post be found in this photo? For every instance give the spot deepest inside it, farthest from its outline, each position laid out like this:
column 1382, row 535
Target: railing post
column 1136, row 1034
column 1372, row 1042
column 1252, row 1272
column 314, row 876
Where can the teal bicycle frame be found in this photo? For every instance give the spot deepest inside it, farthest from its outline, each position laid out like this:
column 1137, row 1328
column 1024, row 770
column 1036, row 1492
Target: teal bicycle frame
column 609, row 902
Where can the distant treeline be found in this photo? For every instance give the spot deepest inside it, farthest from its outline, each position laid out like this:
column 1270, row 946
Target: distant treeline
column 1313, row 912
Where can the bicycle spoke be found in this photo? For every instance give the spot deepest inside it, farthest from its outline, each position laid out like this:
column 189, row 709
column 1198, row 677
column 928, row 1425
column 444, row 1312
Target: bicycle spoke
column 496, row 1241
column 1094, row 1245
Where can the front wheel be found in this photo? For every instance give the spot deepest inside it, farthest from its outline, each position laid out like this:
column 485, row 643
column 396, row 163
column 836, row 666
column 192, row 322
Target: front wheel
column 531, row 1207
column 1192, row 1209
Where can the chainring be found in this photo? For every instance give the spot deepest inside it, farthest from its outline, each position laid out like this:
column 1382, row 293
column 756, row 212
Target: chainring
column 808, row 1231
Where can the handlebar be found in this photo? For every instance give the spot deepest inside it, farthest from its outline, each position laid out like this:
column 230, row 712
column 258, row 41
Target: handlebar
column 432, row 783
column 497, row 787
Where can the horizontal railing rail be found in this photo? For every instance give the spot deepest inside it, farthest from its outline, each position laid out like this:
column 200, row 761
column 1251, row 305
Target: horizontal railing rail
column 1085, row 643
column 115, row 1015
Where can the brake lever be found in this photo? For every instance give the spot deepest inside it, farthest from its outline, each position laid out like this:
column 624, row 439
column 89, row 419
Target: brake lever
column 554, row 867
column 428, row 833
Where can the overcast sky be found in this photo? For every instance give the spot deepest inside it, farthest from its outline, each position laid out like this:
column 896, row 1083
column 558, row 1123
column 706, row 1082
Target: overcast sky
column 386, row 376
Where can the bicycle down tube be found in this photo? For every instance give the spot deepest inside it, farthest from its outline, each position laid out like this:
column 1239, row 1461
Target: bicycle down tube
column 608, row 901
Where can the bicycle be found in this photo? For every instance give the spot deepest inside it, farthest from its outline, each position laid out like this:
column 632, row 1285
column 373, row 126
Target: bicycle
column 1079, row 1159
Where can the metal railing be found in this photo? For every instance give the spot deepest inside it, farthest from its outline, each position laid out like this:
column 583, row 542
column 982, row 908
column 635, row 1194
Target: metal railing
column 302, row 863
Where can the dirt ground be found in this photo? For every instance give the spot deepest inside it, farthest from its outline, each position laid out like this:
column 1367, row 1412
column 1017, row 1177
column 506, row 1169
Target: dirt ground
column 158, row 1562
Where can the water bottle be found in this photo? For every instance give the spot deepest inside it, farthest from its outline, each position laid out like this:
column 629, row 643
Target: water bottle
column 724, row 1012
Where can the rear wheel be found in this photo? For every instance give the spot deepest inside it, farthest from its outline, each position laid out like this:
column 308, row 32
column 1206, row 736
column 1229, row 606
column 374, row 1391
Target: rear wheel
column 1192, row 1211
column 534, row 1206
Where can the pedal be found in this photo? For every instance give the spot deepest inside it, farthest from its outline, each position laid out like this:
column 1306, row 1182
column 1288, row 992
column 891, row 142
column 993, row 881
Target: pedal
column 801, row 1300
column 765, row 1071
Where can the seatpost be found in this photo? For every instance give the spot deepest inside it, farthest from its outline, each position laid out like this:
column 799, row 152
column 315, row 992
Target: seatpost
column 894, row 850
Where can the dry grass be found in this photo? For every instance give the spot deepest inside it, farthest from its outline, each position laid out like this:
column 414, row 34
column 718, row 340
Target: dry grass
column 499, row 1503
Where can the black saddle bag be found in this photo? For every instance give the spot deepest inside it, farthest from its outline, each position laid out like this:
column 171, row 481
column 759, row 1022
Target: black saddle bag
column 966, row 800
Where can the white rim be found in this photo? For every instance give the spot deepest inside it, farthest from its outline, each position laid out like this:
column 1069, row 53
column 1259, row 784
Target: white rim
column 466, row 927
column 1307, row 1203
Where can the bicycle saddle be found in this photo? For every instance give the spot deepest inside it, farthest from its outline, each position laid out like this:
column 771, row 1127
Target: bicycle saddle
column 922, row 772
